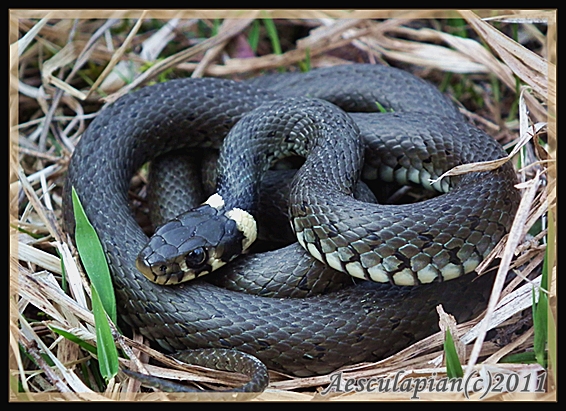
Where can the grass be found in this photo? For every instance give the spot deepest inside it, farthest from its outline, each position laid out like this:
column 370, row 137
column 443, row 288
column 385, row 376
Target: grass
column 52, row 327
column 101, row 290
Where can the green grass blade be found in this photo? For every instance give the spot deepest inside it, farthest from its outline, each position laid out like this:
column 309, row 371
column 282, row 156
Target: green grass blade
column 71, row 337
column 519, row 358
column 383, row 109
column 453, row 366
column 540, row 321
column 64, row 284
column 93, row 258
column 103, row 299
column 551, row 319
column 273, row 35
column 551, row 360
column 541, row 307
column 458, row 27
column 25, row 354
column 253, row 35
column 549, row 254
column 305, row 65
column 216, row 26
column 106, row 349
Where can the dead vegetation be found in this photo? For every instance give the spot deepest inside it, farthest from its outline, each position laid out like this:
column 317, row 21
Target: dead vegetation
column 64, row 64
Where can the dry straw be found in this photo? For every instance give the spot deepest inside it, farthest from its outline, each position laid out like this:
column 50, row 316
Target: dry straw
column 46, row 88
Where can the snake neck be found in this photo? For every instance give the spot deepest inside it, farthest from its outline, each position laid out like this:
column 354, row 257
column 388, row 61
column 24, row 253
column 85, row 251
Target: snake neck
column 245, row 222
column 310, row 128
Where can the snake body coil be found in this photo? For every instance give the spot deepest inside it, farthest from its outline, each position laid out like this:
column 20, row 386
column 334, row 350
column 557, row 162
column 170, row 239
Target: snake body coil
column 434, row 240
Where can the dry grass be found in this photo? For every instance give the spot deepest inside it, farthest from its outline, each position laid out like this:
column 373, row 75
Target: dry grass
column 63, row 66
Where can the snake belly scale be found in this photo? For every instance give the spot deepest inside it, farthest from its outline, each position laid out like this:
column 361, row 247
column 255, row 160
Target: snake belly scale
column 434, row 240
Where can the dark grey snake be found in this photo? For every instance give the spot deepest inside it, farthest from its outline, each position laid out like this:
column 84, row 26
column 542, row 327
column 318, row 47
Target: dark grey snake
column 430, row 241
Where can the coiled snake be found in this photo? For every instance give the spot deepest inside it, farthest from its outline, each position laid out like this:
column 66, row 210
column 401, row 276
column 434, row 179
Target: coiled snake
column 430, row 241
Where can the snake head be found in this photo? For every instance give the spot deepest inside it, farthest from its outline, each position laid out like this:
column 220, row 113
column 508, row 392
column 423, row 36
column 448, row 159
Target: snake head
column 196, row 243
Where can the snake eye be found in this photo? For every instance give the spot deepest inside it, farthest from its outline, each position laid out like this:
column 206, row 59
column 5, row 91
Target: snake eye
column 196, row 257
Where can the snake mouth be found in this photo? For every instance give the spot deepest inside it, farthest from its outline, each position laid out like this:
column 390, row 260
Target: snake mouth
column 161, row 274
column 172, row 278
column 171, row 273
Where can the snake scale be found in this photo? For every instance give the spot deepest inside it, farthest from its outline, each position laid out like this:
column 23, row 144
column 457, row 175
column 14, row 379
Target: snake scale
column 421, row 135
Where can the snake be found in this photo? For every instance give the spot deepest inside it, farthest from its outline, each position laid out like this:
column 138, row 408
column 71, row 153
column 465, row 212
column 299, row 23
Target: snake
column 347, row 121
